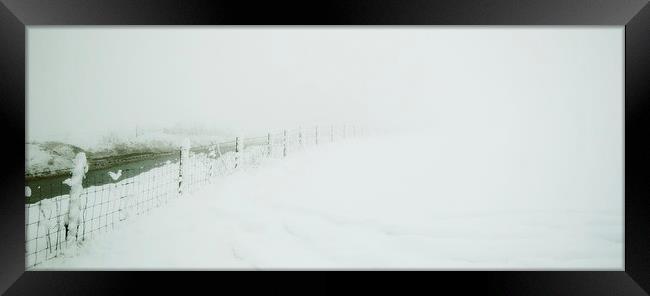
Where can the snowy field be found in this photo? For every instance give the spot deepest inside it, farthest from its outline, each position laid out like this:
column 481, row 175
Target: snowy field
column 386, row 202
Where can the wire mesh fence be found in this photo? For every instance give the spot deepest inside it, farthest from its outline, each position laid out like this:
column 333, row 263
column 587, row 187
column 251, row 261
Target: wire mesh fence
column 110, row 197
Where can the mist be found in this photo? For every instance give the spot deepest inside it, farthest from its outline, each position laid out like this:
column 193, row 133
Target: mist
column 96, row 79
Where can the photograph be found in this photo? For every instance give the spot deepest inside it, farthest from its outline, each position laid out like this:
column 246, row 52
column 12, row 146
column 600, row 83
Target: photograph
column 324, row 148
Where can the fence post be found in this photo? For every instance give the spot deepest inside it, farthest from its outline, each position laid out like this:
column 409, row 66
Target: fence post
column 300, row 136
column 180, row 170
column 316, row 135
column 73, row 218
column 236, row 151
column 284, row 141
column 185, row 157
column 211, row 153
column 268, row 144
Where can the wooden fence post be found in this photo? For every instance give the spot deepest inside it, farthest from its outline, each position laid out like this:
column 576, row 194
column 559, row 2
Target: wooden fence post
column 284, row 141
column 180, row 170
column 236, row 151
column 268, row 143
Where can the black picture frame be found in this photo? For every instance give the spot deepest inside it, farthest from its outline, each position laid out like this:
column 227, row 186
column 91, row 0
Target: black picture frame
column 15, row 15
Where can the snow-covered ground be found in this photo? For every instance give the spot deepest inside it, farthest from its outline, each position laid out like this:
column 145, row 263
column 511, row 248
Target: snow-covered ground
column 386, row 202
column 54, row 153
column 49, row 156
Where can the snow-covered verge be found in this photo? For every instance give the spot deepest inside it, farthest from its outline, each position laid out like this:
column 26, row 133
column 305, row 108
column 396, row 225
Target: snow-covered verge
column 48, row 157
column 43, row 157
column 155, row 141
column 393, row 202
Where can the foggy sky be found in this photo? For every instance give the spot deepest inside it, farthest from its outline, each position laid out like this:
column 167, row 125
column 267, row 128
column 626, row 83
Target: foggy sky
column 94, row 79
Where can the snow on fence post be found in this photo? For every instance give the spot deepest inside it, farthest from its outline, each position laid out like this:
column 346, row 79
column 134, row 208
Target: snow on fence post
column 300, row 136
column 236, row 151
column 284, row 143
column 72, row 220
column 211, row 155
column 316, row 140
column 184, row 156
column 180, row 168
column 268, row 145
